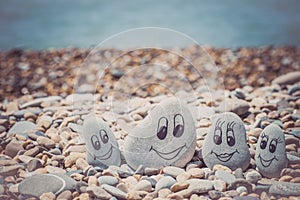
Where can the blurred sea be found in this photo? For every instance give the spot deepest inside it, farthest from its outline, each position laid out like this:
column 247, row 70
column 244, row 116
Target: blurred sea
column 40, row 24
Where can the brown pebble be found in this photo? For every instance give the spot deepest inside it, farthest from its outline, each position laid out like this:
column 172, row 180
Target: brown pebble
column 186, row 193
column 183, row 177
column 163, row 193
column 273, row 115
column 13, row 148
column 295, row 180
column 46, row 142
column 65, row 195
column 222, row 168
column 179, row 186
column 196, row 173
column 48, row 196
column 288, row 124
column 285, row 178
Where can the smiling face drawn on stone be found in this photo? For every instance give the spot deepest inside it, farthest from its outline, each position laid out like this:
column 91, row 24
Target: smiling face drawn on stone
column 270, row 153
column 101, row 145
column 165, row 137
column 225, row 142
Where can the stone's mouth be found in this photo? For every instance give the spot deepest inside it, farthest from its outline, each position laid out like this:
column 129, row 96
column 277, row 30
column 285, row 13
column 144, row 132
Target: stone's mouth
column 266, row 163
column 170, row 155
column 106, row 156
column 224, row 157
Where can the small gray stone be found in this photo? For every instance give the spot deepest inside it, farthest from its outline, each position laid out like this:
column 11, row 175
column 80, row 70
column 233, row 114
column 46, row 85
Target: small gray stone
column 143, row 185
column 200, row 186
column 285, row 189
column 226, row 142
column 240, row 182
column 65, row 195
column 165, row 182
column 22, row 127
column 253, row 176
column 98, row 192
column 270, row 155
column 173, row 171
column 35, row 185
column 293, row 159
column 225, row 176
column 238, row 106
column 293, row 89
column 289, row 78
column 109, row 180
column 114, row 191
column 101, row 146
column 38, row 101
column 167, row 136
column 241, row 189
column 10, row 170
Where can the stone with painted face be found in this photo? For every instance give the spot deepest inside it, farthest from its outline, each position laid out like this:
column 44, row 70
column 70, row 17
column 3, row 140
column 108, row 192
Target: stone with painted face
column 226, row 143
column 270, row 155
column 167, row 136
column 101, row 146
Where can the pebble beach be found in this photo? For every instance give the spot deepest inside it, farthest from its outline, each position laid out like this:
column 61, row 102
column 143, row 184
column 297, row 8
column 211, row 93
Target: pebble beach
column 46, row 95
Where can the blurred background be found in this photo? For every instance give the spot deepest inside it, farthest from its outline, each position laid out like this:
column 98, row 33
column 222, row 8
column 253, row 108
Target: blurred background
column 42, row 24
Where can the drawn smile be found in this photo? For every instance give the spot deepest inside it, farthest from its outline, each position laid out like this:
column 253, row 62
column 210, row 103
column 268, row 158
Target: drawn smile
column 266, row 163
column 106, row 155
column 169, row 155
column 224, row 157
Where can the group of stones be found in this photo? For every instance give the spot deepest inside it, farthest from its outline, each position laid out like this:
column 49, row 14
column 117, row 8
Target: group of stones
column 169, row 121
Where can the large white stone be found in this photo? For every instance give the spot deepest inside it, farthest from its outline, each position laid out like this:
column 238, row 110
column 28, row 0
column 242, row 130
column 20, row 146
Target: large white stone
column 167, row 136
column 226, row 142
column 101, row 146
column 270, row 155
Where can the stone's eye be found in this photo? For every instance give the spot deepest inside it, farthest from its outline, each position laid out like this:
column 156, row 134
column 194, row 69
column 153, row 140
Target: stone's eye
column 230, row 138
column 162, row 128
column 264, row 141
column 178, row 125
column 272, row 146
column 104, row 136
column 178, row 131
column 218, row 136
column 95, row 142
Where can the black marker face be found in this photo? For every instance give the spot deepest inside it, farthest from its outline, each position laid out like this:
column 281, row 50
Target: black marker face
column 229, row 140
column 162, row 131
column 97, row 139
column 264, row 141
column 273, row 145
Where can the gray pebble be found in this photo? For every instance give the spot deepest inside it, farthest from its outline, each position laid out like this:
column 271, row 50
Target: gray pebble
column 109, row 180
column 270, row 155
column 143, row 185
column 167, row 136
column 114, row 191
column 173, row 171
column 285, row 189
column 225, row 176
column 226, row 143
column 200, row 186
column 22, row 127
column 165, row 182
column 253, row 176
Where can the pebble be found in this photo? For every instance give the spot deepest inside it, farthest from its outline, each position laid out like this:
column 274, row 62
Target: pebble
column 165, row 182
column 237, row 106
column 289, row 78
column 240, row 182
column 226, row 143
column 34, row 164
column 13, row 148
column 225, row 176
column 179, row 186
column 163, row 193
column 22, row 127
column 10, row 170
column 56, row 183
column 98, row 192
column 143, row 185
column 65, row 195
column 196, row 173
column 109, row 180
column 173, row 171
column 47, row 196
column 200, row 186
column 285, row 189
column 114, row 191
column 167, row 136
column 45, row 142
column 219, row 185
column 253, row 176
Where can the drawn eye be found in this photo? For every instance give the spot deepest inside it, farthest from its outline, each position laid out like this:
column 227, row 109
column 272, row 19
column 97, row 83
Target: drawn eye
column 218, row 133
column 273, row 146
column 162, row 128
column 230, row 138
column 104, row 136
column 95, row 142
column 264, row 141
column 178, row 125
column 218, row 136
